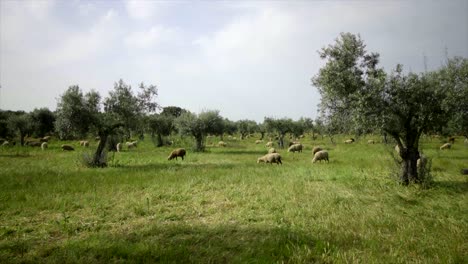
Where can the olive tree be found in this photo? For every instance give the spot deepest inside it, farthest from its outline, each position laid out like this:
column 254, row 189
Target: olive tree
column 21, row 123
column 280, row 126
column 402, row 105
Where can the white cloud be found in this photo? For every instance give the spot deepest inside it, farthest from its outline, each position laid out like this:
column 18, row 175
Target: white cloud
column 155, row 35
column 141, row 9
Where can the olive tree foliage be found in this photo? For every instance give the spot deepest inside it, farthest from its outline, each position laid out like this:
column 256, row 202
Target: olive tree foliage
column 173, row 111
column 246, row 127
column 42, row 121
column 160, row 126
column 230, row 127
column 75, row 113
column 280, row 126
column 454, row 76
column 401, row 105
column 199, row 126
column 22, row 124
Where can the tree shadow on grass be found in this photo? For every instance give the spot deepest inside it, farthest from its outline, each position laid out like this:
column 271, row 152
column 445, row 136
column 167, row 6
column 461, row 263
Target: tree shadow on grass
column 174, row 243
column 176, row 166
column 242, row 152
column 453, row 186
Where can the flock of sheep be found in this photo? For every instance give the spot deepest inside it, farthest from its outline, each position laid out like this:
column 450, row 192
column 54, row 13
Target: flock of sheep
column 271, row 157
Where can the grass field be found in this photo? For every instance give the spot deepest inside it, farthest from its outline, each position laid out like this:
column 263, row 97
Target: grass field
column 222, row 207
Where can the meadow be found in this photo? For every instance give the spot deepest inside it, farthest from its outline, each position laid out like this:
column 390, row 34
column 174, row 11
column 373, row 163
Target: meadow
column 220, row 206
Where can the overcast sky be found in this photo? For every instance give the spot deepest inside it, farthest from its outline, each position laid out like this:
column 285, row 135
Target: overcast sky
column 246, row 59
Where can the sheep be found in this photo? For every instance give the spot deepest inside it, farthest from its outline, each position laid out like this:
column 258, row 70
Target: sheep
column 421, row 162
column 271, row 158
column 222, row 144
column 272, row 150
column 130, row 145
column 349, row 141
column 84, row 143
column 179, row 152
column 370, row 141
column 45, row 139
column 321, row 155
column 44, row 145
column 269, row 144
column 258, row 141
column 118, row 147
column 6, row 143
column 67, row 147
column 295, row 147
column 445, row 146
column 316, row 149
column 294, row 143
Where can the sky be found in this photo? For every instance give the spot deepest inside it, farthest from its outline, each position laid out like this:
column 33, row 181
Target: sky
column 248, row 59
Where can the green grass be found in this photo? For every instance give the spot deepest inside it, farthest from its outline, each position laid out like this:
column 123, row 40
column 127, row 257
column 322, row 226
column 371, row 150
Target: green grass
column 221, row 206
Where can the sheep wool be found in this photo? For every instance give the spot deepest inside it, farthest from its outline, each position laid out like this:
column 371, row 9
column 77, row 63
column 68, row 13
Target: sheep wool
column 179, row 152
column 316, row 149
column 271, row 150
column 271, row 158
column 67, row 147
column 321, row 155
column 44, row 145
column 445, row 146
column 295, row 147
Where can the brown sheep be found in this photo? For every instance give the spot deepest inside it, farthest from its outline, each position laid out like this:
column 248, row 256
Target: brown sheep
column 316, row 149
column 271, row 158
column 180, row 152
column 67, row 147
column 321, row 155
column 295, row 147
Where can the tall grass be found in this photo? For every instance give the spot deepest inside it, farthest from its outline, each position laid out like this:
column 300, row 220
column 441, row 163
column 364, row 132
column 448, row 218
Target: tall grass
column 221, row 206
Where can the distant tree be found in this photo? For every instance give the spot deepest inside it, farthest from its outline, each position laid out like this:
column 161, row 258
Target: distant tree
column 280, row 126
column 199, row 126
column 5, row 131
column 246, row 127
column 173, row 111
column 160, row 126
column 22, row 124
column 404, row 106
column 230, row 127
column 43, row 121
column 262, row 130
column 454, row 77
column 74, row 114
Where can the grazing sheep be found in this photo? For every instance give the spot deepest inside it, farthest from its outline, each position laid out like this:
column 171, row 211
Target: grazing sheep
column 84, row 143
column 294, row 143
column 130, row 145
column 445, row 146
column 180, row 152
column 272, row 150
column 295, row 147
column 269, row 144
column 222, row 144
column 349, row 141
column 316, row 149
column 271, row 158
column 45, row 139
column 370, row 141
column 6, row 143
column 118, row 147
column 258, row 141
column 67, row 147
column 321, row 155
column 421, row 162
column 44, row 145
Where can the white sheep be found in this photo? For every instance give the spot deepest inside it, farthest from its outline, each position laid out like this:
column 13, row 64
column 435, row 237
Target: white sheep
column 44, row 145
column 321, row 155
column 222, row 144
column 349, row 141
column 370, row 141
column 295, row 147
column 6, row 143
column 84, row 143
column 271, row 150
column 316, row 149
column 67, row 147
column 271, row 158
column 445, row 146
column 180, row 152
column 269, row 144
column 118, row 147
column 130, row 145
column 421, row 162
column 258, row 141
